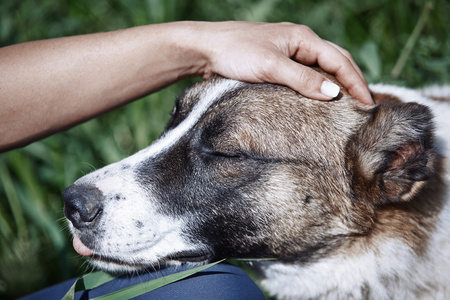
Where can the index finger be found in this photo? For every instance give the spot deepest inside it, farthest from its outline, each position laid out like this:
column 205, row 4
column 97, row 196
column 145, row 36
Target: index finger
column 349, row 57
column 339, row 62
column 334, row 60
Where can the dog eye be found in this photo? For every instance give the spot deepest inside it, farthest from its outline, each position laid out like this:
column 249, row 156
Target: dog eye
column 224, row 154
column 227, row 154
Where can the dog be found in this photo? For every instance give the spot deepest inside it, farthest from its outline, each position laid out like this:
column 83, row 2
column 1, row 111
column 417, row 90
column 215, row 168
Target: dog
column 351, row 200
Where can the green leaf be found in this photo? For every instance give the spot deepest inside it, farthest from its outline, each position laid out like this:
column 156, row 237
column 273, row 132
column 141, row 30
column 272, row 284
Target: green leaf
column 92, row 280
column 71, row 292
column 88, row 282
column 370, row 58
column 96, row 279
column 145, row 287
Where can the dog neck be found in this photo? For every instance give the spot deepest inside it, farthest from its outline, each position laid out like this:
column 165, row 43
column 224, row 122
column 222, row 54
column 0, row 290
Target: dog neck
column 408, row 241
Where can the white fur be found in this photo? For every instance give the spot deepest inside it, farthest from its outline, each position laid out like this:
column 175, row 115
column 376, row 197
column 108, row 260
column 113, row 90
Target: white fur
column 160, row 235
column 391, row 271
column 171, row 137
column 338, row 277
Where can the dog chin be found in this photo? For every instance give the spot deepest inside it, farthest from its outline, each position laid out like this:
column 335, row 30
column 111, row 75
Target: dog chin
column 125, row 265
column 130, row 263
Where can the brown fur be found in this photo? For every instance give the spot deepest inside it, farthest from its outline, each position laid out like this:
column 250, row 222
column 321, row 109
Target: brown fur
column 379, row 98
column 336, row 191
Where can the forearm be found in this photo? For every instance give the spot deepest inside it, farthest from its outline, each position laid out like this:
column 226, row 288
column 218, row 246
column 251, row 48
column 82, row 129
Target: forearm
column 49, row 85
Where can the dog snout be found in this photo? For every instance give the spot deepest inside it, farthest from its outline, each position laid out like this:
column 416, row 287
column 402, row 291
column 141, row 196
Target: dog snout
column 83, row 205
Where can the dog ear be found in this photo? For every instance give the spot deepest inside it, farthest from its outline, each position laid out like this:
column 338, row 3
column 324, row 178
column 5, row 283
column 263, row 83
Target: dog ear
column 392, row 155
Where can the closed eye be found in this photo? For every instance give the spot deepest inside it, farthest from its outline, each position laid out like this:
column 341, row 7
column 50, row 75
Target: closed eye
column 227, row 154
column 223, row 154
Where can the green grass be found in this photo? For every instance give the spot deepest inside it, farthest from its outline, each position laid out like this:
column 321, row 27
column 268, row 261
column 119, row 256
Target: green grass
column 96, row 279
column 35, row 247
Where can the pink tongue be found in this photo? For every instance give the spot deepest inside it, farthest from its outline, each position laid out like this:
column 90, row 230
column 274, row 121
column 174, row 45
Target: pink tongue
column 81, row 248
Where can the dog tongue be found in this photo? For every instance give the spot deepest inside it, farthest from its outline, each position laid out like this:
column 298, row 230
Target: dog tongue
column 81, row 248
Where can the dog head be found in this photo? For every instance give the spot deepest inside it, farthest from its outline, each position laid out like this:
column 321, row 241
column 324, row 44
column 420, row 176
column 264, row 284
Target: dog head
column 251, row 170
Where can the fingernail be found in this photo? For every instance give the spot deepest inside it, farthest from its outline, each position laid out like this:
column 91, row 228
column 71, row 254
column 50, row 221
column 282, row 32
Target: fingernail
column 329, row 89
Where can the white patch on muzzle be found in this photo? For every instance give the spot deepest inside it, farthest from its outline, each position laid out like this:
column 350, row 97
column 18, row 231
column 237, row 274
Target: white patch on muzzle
column 132, row 231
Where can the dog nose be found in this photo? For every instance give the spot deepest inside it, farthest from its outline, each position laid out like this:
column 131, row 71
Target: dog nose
column 83, row 204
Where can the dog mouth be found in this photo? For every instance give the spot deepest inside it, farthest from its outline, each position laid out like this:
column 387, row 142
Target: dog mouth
column 190, row 256
column 80, row 248
column 181, row 257
column 119, row 264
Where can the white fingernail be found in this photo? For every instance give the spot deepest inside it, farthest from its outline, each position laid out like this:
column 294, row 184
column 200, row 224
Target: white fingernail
column 329, row 89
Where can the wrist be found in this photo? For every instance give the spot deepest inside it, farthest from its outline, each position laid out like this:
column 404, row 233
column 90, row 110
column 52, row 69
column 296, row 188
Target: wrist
column 191, row 46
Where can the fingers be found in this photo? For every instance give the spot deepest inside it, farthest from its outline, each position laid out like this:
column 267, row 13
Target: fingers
column 346, row 75
column 339, row 62
column 303, row 79
column 349, row 57
column 335, row 60
column 279, row 53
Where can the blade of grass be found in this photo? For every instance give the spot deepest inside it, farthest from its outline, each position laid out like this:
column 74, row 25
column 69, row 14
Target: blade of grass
column 93, row 280
column 5, row 227
column 148, row 286
column 32, row 198
column 400, row 64
column 71, row 292
column 13, row 200
column 96, row 279
column 88, row 282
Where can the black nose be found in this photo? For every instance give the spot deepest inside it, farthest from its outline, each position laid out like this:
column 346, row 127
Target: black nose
column 83, row 204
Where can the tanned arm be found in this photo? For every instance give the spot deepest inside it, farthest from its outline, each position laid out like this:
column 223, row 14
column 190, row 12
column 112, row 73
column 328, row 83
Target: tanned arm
column 50, row 85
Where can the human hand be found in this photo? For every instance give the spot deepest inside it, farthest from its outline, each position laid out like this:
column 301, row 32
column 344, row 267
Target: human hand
column 113, row 68
column 280, row 53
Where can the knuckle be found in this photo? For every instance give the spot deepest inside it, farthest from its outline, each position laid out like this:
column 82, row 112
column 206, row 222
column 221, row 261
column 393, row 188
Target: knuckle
column 306, row 30
column 287, row 24
column 306, row 79
column 297, row 29
column 346, row 53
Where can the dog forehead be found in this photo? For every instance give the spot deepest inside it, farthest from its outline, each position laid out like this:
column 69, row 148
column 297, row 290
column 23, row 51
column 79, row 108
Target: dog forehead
column 266, row 119
column 273, row 120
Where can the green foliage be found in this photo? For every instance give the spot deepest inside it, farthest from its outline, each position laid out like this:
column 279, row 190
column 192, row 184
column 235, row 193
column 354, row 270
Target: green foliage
column 96, row 279
column 35, row 249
